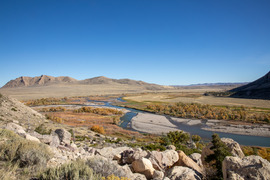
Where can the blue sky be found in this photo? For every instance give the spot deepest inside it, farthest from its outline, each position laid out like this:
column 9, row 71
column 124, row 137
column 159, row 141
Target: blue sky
column 166, row 42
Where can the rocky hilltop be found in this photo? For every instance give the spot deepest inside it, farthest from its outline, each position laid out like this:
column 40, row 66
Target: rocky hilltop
column 259, row 89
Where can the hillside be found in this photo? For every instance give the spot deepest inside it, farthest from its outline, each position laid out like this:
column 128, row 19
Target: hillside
column 258, row 89
column 24, row 88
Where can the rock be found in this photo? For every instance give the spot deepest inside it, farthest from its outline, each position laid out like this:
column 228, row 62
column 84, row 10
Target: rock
column 32, row 138
column 234, row 147
column 64, row 136
column 16, row 128
column 128, row 156
column 158, row 175
column 186, row 161
column 171, row 147
column 110, row 152
column 108, row 167
column 250, row 167
column 55, row 141
column 143, row 166
column 46, row 139
column 163, row 160
column 179, row 172
column 196, row 157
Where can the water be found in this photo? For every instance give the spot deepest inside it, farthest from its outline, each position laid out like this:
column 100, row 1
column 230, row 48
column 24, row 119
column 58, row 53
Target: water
column 192, row 129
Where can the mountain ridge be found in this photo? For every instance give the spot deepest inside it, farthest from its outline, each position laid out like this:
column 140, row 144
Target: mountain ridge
column 45, row 80
column 258, row 89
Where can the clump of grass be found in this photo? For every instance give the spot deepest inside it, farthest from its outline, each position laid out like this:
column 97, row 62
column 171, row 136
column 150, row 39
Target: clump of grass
column 41, row 129
column 17, row 151
column 75, row 170
column 98, row 129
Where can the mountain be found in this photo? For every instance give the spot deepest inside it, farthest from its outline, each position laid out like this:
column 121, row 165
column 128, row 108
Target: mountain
column 37, row 81
column 259, row 89
column 45, row 80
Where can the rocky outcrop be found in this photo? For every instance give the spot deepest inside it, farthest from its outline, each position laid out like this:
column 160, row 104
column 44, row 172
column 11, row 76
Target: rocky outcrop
column 250, row 167
column 179, row 172
column 234, row 148
column 186, row 161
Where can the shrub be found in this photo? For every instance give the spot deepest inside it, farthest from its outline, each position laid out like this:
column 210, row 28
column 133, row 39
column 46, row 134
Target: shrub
column 113, row 177
column 106, row 167
column 195, row 138
column 220, row 152
column 175, row 137
column 75, row 170
column 116, row 120
column 26, row 153
column 98, row 129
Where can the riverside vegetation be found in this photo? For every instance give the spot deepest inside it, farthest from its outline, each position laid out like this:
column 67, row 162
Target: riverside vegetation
column 26, row 156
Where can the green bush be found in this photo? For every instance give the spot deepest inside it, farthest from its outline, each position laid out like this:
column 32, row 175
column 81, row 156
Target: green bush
column 195, row 138
column 175, row 137
column 220, row 152
column 1, row 95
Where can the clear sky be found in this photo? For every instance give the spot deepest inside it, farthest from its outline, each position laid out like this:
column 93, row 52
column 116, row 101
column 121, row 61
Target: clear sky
column 169, row 42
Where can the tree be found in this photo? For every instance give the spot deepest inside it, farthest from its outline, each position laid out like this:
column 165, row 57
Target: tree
column 220, row 152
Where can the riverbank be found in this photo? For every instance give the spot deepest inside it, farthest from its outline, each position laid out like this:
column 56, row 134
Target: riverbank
column 158, row 124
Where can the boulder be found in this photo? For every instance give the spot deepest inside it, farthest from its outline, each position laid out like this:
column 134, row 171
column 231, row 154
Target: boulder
column 250, row 167
column 196, row 157
column 108, row 167
column 110, row 152
column 64, row 136
column 234, row 148
column 163, row 160
column 171, row 147
column 143, row 166
column 55, row 141
column 179, row 172
column 32, row 138
column 16, row 128
column 128, row 156
column 186, row 161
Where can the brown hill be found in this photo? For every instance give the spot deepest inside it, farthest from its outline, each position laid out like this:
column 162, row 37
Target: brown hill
column 259, row 89
column 37, row 81
column 45, row 80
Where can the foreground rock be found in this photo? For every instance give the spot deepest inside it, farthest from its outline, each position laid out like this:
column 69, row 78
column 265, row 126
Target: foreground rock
column 163, row 160
column 186, row 161
column 250, row 167
column 179, row 173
